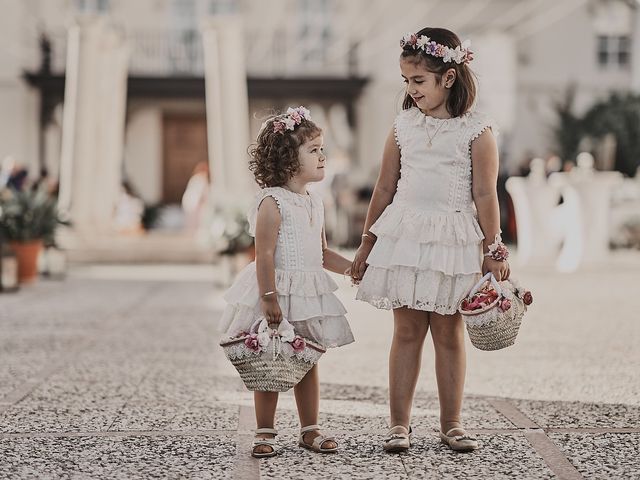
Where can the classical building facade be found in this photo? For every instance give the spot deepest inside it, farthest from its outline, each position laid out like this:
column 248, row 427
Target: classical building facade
column 337, row 56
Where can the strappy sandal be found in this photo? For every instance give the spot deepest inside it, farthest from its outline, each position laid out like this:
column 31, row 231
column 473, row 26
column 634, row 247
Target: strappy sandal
column 316, row 446
column 459, row 443
column 267, row 442
column 396, row 442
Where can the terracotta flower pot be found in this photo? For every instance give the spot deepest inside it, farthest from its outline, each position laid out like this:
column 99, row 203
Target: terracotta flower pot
column 27, row 255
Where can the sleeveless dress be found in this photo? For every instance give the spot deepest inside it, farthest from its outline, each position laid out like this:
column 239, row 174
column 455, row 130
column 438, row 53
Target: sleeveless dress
column 305, row 289
column 428, row 250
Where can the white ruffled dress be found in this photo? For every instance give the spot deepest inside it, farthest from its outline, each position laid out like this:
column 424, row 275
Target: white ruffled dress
column 428, row 250
column 305, row 289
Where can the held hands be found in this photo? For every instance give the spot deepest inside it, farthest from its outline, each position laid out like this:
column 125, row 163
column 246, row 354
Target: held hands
column 500, row 269
column 271, row 309
column 359, row 265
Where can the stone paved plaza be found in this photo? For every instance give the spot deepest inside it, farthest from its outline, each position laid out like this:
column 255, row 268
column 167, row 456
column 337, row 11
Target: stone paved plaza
column 116, row 373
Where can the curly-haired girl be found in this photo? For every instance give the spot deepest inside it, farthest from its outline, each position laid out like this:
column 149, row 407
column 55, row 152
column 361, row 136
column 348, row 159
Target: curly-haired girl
column 287, row 279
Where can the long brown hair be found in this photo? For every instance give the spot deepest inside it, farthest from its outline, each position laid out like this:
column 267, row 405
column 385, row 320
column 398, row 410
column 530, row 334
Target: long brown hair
column 463, row 90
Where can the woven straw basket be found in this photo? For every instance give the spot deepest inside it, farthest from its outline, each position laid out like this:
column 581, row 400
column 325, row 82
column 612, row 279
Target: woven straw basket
column 489, row 327
column 276, row 366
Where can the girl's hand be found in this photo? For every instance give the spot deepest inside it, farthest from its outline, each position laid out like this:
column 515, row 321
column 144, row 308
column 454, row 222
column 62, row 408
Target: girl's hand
column 359, row 265
column 271, row 309
column 500, row 270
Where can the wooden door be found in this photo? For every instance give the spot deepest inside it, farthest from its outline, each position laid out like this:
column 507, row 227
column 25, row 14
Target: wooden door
column 185, row 145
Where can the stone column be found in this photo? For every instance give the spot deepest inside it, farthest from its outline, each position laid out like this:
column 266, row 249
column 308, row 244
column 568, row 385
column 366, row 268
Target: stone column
column 635, row 49
column 227, row 105
column 93, row 124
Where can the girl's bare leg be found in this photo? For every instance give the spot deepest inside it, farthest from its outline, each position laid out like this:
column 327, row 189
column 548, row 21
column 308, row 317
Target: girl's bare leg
column 307, row 394
column 447, row 332
column 265, row 405
column 410, row 330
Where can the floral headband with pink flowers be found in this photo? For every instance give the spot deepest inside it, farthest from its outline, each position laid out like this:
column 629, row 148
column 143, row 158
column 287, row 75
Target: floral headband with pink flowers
column 460, row 54
column 289, row 120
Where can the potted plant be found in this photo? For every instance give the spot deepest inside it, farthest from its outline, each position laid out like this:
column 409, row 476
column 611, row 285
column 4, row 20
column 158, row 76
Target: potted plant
column 230, row 238
column 28, row 220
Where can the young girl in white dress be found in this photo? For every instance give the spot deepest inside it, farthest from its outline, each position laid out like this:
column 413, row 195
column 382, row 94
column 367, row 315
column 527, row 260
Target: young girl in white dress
column 287, row 279
column 433, row 213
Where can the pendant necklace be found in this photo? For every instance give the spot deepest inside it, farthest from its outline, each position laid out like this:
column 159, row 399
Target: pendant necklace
column 431, row 137
column 304, row 200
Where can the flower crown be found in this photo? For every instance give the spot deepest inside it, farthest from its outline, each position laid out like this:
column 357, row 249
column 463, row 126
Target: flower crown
column 460, row 54
column 289, row 120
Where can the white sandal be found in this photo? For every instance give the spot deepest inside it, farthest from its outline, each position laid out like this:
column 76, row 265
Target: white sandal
column 459, row 443
column 316, row 446
column 267, row 442
column 396, row 442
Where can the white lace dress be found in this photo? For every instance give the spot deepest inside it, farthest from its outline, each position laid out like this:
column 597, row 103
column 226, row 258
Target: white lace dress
column 428, row 250
column 305, row 289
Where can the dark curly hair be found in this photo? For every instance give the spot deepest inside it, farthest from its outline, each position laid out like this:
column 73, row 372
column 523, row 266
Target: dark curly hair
column 274, row 156
column 463, row 91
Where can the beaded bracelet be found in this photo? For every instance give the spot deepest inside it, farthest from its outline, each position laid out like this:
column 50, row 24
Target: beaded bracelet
column 498, row 250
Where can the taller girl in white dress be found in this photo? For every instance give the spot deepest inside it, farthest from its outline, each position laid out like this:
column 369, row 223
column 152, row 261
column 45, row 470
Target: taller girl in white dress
column 433, row 212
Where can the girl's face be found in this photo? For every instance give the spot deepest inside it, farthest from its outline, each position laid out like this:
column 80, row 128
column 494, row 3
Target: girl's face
column 312, row 159
column 423, row 86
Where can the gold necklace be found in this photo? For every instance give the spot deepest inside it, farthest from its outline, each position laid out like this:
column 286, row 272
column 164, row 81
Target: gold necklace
column 431, row 137
column 305, row 197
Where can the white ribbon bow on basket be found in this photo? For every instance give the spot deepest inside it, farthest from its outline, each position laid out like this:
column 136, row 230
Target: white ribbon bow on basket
column 284, row 333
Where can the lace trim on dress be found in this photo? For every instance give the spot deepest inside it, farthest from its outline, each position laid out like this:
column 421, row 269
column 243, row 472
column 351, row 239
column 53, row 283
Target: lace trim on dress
column 417, row 289
column 395, row 133
column 239, row 351
column 252, row 216
column 385, row 303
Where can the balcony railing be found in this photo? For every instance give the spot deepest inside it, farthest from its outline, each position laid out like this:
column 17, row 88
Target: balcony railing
column 180, row 53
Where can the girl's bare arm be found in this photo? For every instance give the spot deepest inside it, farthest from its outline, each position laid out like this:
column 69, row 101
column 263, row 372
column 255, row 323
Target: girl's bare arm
column 267, row 227
column 485, row 163
column 383, row 193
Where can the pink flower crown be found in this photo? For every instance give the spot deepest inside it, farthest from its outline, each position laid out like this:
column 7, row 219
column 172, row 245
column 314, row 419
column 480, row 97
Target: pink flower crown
column 289, row 120
column 460, row 54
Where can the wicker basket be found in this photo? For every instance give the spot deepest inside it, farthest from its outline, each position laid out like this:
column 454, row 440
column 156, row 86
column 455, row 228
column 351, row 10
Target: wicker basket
column 491, row 327
column 266, row 358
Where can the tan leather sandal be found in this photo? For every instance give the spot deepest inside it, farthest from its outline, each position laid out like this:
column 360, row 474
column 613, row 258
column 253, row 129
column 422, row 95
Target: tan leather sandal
column 459, row 443
column 398, row 439
column 267, row 442
column 316, row 446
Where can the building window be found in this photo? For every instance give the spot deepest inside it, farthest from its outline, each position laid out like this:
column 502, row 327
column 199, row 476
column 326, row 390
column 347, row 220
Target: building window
column 221, row 7
column 93, row 6
column 314, row 32
column 614, row 51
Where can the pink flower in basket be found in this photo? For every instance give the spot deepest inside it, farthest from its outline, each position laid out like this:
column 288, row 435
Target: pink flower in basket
column 527, row 298
column 298, row 344
column 504, row 305
column 252, row 342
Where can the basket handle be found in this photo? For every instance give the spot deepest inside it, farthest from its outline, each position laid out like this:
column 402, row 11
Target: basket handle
column 488, row 277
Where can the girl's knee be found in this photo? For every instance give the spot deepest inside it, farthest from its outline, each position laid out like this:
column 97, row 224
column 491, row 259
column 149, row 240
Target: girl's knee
column 451, row 338
column 410, row 330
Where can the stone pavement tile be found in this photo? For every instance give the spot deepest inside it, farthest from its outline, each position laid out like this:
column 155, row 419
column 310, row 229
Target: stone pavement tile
column 360, row 457
column 60, row 393
column 578, row 414
column 217, row 416
column 140, row 457
column 369, row 394
column 25, row 417
column 500, row 457
column 173, row 390
column 109, row 370
column 476, row 413
column 602, row 456
column 175, row 417
column 144, row 417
